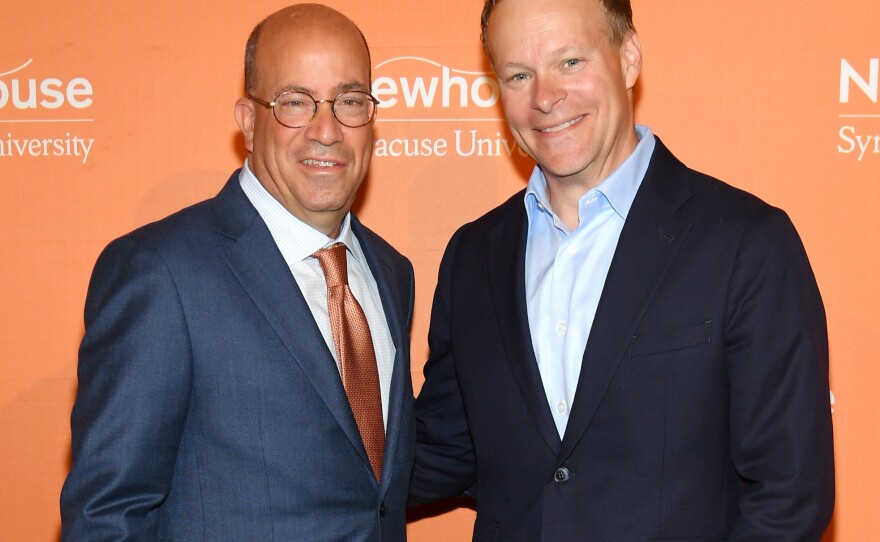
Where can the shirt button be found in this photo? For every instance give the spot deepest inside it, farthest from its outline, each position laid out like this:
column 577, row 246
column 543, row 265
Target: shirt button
column 561, row 475
column 561, row 328
column 571, row 250
column 561, row 407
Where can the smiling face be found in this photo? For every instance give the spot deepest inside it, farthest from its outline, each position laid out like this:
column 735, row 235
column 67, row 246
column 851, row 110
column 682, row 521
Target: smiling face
column 565, row 88
column 314, row 171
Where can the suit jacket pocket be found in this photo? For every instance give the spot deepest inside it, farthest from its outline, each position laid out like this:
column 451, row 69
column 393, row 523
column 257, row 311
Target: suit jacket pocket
column 669, row 340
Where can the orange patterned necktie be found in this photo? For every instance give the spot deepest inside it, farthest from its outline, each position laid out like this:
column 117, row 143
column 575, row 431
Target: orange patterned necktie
column 354, row 348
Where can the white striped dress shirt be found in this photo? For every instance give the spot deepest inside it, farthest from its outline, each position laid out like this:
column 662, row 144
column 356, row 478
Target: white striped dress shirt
column 297, row 241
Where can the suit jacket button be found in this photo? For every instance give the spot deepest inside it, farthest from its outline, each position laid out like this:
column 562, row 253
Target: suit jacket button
column 561, row 475
column 382, row 509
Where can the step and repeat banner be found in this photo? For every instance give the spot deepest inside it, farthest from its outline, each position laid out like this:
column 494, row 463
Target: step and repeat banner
column 115, row 114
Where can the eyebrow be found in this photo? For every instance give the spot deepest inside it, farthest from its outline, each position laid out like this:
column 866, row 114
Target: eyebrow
column 560, row 52
column 513, row 66
column 343, row 87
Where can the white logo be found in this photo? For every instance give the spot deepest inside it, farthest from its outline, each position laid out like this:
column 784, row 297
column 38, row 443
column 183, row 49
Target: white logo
column 451, row 88
column 439, row 110
column 53, row 92
column 30, row 101
column 849, row 75
column 859, row 88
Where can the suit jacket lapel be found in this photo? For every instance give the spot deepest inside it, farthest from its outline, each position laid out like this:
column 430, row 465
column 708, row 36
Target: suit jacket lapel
column 650, row 238
column 393, row 304
column 507, row 256
column 257, row 263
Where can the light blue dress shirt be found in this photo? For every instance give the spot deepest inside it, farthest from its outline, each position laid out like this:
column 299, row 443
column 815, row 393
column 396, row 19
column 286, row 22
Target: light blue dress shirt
column 566, row 270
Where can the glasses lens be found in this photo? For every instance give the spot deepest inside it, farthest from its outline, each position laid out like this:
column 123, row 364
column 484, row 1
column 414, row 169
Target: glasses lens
column 294, row 109
column 354, row 108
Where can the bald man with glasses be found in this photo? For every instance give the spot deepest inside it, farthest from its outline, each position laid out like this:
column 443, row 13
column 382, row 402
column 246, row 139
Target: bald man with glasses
column 244, row 373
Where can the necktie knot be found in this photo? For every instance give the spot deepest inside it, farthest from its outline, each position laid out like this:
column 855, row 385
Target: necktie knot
column 334, row 264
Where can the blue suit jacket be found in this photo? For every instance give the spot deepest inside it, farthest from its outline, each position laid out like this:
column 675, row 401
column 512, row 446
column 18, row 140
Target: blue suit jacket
column 702, row 408
column 209, row 406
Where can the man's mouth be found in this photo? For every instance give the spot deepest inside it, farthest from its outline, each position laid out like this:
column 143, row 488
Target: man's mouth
column 319, row 163
column 562, row 126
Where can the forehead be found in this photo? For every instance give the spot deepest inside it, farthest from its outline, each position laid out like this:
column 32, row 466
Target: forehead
column 314, row 57
column 515, row 23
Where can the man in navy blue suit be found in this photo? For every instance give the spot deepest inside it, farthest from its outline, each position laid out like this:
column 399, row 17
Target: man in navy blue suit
column 627, row 350
column 210, row 404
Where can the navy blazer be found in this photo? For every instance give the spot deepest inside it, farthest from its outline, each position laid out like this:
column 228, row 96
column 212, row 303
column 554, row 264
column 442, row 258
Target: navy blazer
column 209, row 407
column 702, row 408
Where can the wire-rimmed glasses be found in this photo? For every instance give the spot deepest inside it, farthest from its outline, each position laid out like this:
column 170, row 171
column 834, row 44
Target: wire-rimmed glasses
column 295, row 109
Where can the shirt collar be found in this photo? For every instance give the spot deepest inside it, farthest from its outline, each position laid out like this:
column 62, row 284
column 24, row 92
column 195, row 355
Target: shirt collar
column 619, row 188
column 295, row 239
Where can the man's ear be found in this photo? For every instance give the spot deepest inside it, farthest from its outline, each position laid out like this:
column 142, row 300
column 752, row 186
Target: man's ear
column 244, row 116
column 631, row 59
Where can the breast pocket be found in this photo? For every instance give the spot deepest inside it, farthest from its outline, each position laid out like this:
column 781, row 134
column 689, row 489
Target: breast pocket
column 670, row 340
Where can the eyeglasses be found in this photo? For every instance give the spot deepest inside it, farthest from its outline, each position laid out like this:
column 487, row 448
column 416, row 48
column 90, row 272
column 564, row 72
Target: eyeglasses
column 294, row 109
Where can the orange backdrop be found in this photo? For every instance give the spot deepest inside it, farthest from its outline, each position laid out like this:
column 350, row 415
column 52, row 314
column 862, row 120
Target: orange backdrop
column 116, row 114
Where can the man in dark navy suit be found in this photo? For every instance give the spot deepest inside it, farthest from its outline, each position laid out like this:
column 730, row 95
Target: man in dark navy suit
column 211, row 403
column 627, row 350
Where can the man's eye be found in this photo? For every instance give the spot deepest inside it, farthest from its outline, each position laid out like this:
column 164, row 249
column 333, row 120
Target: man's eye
column 571, row 62
column 292, row 103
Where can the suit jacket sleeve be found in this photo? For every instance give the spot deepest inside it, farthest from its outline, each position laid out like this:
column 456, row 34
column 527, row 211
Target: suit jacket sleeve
column 777, row 357
column 445, row 463
column 134, row 386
